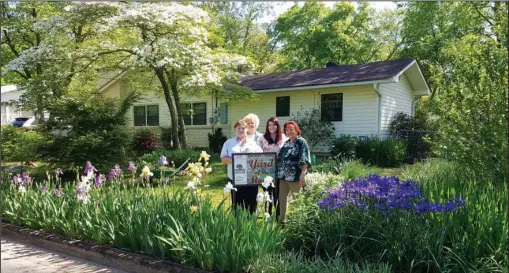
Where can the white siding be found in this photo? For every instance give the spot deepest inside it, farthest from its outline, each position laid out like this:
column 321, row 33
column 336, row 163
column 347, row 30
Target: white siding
column 196, row 134
column 359, row 108
column 396, row 97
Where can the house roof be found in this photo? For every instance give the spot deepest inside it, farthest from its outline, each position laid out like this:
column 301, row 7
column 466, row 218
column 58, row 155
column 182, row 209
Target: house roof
column 8, row 88
column 367, row 72
column 11, row 93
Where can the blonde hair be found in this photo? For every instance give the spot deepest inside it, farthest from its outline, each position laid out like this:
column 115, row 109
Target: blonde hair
column 254, row 118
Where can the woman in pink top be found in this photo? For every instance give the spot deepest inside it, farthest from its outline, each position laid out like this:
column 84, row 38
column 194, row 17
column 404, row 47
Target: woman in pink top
column 273, row 139
column 271, row 142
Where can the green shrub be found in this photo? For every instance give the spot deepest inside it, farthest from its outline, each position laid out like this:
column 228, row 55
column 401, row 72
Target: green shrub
column 146, row 141
column 297, row 262
column 20, row 144
column 314, row 129
column 414, row 132
column 381, row 152
column 177, row 156
column 166, row 137
column 216, row 140
column 90, row 128
column 344, row 147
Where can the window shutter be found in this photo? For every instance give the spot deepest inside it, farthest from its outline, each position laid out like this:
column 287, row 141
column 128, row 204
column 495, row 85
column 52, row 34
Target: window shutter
column 223, row 113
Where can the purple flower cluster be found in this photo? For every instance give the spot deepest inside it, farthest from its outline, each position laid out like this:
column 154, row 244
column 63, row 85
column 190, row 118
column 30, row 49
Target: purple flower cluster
column 115, row 172
column 58, row 192
column 383, row 193
column 23, row 180
column 88, row 168
column 132, row 167
column 99, row 179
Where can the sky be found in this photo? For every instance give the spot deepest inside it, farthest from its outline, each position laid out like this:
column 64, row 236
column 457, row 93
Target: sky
column 280, row 7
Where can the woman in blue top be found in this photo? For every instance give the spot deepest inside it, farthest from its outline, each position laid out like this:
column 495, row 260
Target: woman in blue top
column 245, row 196
column 293, row 161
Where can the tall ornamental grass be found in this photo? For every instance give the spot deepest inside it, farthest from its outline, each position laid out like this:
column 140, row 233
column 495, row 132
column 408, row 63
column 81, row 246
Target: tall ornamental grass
column 389, row 152
column 447, row 222
column 179, row 225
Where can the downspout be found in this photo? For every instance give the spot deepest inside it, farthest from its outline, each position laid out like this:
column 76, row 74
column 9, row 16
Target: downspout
column 376, row 87
column 414, row 104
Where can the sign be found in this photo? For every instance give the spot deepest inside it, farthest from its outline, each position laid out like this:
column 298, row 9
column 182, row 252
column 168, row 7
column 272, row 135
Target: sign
column 252, row 168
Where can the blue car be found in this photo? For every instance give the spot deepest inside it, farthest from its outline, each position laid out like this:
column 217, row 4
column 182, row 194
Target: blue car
column 18, row 122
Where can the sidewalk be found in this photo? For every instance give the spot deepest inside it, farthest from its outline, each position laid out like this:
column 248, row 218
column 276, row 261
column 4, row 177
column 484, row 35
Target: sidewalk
column 22, row 258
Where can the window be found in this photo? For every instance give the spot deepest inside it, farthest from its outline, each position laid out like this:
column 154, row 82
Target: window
column 283, row 106
column 195, row 113
column 332, row 107
column 146, row 115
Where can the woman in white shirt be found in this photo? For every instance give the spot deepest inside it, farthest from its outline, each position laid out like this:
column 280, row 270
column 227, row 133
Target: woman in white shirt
column 245, row 196
column 252, row 121
column 271, row 142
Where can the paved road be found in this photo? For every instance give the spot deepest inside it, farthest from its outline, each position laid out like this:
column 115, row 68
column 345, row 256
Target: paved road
column 22, row 258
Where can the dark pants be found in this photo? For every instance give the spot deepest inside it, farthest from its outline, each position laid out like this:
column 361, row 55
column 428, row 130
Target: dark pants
column 245, row 197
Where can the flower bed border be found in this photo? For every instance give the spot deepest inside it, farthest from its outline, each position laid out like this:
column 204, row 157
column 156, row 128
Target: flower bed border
column 108, row 256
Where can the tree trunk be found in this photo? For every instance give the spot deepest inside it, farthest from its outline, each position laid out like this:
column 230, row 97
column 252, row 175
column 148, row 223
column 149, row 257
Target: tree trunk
column 173, row 79
column 174, row 123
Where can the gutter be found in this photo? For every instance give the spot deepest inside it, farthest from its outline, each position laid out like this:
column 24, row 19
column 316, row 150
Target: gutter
column 314, row 87
column 376, row 88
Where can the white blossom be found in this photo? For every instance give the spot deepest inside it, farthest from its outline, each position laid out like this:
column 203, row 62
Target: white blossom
column 267, row 181
column 229, row 187
column 190, row 185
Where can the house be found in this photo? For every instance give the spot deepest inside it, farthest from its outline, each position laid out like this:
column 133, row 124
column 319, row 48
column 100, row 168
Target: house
column 360, row 99
column 10, row 95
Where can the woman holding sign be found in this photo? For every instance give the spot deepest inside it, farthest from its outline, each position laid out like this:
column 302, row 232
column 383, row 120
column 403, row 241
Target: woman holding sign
column 271, row 142
column 245, row 196
column 292, row 165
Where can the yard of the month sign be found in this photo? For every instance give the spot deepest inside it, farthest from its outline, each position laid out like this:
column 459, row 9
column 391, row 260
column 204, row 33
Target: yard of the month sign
column 252, row 168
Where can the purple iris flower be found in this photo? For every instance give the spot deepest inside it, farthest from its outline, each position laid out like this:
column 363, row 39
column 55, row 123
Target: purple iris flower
column 132, row 167
column 25, row 179
column 58, row 172
column 99, row 180
column 162, row 161
column 113, row 174
column 58, row 192
column 16, row 179
column 88, row 168
column 43, row 188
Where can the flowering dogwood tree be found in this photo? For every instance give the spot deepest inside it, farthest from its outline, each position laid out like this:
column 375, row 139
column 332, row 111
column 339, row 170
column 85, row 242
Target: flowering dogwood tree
column 172, row 40
column 50, row 44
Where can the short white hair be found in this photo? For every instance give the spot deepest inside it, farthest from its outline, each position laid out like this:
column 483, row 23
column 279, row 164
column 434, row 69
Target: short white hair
column 254, row 118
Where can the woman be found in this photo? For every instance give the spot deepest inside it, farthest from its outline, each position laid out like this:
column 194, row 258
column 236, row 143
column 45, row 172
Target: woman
column 245, row 196
column 252, row 121
column 293, row 162
column 271, row 142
